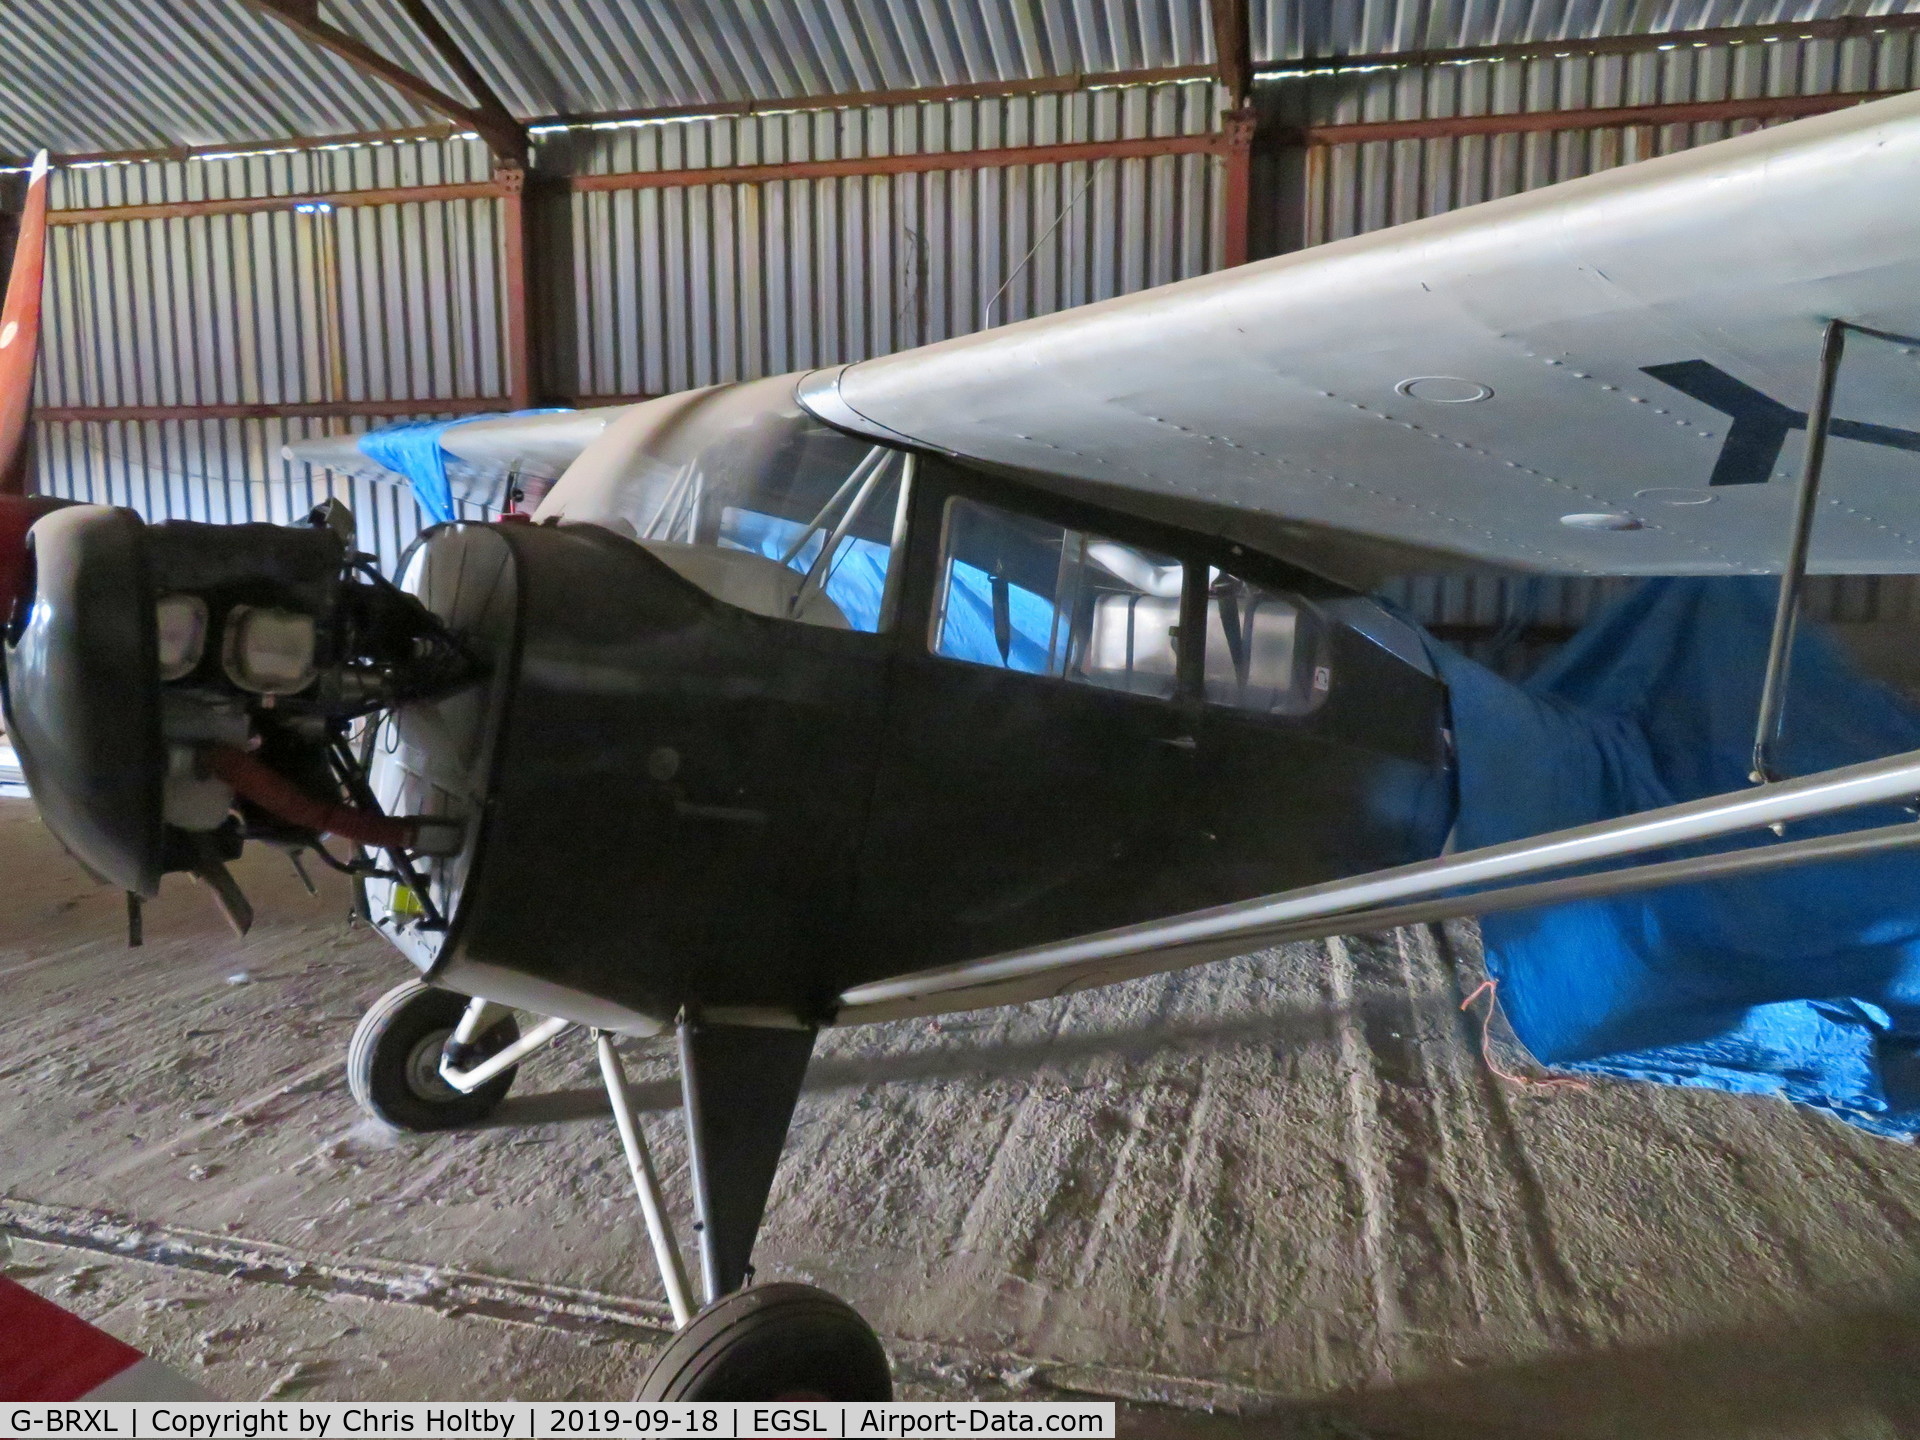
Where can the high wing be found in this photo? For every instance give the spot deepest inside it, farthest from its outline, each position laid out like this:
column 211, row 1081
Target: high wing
column 481, row 453
column 1606, row 376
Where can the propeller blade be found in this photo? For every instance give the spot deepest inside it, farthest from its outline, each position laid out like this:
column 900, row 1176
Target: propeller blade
column 20, row 330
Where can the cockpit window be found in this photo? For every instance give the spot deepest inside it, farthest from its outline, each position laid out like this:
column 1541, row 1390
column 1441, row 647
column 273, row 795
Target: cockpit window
column 746, row 496
column 1023, row 594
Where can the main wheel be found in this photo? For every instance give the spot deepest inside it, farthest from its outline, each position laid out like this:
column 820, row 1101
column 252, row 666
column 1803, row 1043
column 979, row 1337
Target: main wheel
column 772, row 1342
column 393, row 1064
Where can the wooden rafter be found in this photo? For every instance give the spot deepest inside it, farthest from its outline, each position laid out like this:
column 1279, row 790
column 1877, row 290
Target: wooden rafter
column 487, row 104
column 487, row 117
column 1233, row 49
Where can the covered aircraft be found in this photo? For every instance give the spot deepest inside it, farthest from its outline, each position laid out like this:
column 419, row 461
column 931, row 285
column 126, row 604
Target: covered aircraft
column 1024, row 662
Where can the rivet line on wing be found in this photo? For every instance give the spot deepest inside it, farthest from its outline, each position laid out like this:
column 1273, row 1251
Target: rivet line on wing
column 1397, row 500
column 1599, row 501
column 1049, row 445
column 1691, row 426
column 1862, row 516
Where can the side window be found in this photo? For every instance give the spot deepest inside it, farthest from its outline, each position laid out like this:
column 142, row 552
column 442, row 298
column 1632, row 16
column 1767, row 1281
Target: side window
column 1022, row 594
column 1266, row 652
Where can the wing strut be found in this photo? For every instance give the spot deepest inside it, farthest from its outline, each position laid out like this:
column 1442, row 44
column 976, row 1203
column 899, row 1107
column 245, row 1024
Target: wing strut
column 1793, row 575
column 1786, row 613
column 1384, row 898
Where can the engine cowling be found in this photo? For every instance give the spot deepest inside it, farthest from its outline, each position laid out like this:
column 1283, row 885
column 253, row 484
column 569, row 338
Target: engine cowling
column 175, row 690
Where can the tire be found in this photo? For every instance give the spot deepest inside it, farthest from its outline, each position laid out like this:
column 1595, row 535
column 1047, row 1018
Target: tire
column 393, row 1061
column 773, row 1342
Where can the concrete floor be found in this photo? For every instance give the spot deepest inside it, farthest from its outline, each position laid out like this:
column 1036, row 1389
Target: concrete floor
column 1284, row 1190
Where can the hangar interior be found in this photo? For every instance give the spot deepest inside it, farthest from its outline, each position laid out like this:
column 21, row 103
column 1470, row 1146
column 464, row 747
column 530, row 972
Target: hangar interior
column 1284, row 1192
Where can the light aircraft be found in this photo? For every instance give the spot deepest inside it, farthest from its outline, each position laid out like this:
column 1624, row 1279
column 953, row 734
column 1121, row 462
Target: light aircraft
column 1020, row 663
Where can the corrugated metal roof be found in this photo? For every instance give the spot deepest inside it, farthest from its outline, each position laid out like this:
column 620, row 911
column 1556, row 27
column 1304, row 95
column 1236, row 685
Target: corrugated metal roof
column 139, row 74
column 594, row 56
column 133, row 74
column 1293, row 29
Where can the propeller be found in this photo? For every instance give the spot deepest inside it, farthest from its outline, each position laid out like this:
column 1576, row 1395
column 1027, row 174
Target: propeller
column 20, row 330
column 19, row 345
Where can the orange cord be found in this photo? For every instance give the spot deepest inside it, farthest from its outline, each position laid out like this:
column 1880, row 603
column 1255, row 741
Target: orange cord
column 1491, row 989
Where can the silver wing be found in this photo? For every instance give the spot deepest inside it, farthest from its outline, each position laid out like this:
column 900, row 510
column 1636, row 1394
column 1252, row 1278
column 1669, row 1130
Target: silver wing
column 1607, row 376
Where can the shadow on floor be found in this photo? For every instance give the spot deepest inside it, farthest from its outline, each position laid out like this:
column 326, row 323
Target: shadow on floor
column 1844, row 1374
column 941, row 1058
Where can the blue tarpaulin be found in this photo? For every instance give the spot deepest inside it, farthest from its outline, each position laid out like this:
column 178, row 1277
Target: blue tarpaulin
column 413, row 449
column 1803, row 983
column 857, row 581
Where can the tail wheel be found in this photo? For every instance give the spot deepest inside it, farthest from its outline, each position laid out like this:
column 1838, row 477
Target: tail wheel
column 393, row 1064
column 773, row 1342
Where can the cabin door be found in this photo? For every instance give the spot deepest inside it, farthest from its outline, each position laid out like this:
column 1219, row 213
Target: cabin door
column 1037, row 774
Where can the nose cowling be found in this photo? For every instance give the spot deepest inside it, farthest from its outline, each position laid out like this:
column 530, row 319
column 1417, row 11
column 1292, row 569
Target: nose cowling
column 175, row 690
column 82, row 683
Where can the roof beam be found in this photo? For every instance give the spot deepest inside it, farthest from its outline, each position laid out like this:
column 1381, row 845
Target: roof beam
column 926, row 95
column 488, row 104
column 1847, row 28
column 848, row 100
column 1233, row 49
column 488, row 118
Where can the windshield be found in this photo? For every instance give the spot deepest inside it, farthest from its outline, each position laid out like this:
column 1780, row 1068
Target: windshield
column 750, row 498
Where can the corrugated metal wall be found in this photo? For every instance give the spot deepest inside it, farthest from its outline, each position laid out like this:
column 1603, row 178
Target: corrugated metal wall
column 283, row 307
column 689, row 286
column 223, row 471
column 1351, row 189
column 671, row 287
column 278, row 308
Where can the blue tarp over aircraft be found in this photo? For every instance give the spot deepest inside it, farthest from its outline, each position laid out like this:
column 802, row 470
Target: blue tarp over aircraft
column 1803, row 983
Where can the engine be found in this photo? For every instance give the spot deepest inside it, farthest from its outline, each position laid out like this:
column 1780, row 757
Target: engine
column 178, row 689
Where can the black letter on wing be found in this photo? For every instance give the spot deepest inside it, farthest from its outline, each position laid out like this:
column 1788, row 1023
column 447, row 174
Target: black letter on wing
column 1760, row 423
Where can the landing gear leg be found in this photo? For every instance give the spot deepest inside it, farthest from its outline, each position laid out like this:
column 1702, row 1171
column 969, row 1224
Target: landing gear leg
column 427, row 1059
column 760, row 1342
column 666, row 1249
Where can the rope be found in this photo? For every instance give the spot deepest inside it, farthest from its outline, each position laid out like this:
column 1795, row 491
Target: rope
column 1491, row 989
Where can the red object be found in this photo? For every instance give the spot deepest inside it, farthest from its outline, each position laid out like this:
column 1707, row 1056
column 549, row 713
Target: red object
column 17, row 514
column 20, row 330
column 47, row 1354
column 280, row 797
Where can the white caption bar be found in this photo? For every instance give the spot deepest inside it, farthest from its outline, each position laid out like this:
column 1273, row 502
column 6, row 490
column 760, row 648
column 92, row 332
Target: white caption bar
column 521, row 1420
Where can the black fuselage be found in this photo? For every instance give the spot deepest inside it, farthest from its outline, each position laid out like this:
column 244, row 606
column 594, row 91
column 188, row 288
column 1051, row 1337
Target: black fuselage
column 693, row 808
